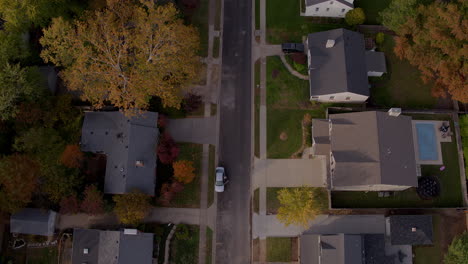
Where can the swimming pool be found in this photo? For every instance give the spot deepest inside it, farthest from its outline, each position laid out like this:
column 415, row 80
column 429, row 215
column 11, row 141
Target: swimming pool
column 427, row 141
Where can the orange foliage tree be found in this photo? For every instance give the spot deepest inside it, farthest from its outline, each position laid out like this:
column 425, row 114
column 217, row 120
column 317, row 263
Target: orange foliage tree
column 72, row 157
column 184, row 171
column 436, row 41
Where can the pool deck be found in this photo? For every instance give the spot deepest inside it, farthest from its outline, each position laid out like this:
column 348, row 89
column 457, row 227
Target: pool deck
column 439, row 137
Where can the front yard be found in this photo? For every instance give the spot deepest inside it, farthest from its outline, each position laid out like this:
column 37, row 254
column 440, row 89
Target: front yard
column 450, row 195
column 281, row 249
column 284, row 23
column 288, row 102
column 184, row 245
column 401, row 86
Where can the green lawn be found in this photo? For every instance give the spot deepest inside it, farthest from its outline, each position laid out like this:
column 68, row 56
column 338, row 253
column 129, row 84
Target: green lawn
column 278, row 249
column 402, row 85
column 209, row 245
column 272, row 202
column 216, row 43
column 218, row 15
column 464, row 135
column 42, row 255
column 199, row 18
column 372, row 9
column 430, row 254
column 211, row 174
column 450, row 196
column 257, row 14
column 185, row 251
column 257, row 109
column 287, row 101
column 190, row 196
column 256, row 200
column 284, row 23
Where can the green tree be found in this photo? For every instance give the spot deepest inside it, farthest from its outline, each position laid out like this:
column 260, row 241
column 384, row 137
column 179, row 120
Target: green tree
column 398, row 11
column 300, row 205
column 18, row 181
column 125, row 53
column 458, row 251
column 355, row 17
column 379, row 38
column 17, row 84
column 435, row 40
column 131, row 208
column 12, row 47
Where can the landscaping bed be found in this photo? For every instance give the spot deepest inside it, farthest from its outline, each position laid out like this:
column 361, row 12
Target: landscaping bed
column 450, row 193
column 402, row 85
column 281, row 249
column 285, row 24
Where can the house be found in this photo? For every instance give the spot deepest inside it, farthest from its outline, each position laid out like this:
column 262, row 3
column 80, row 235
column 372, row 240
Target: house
column 339, row 66
column 328, row 8
column 130, row 146
column 366, row 151
column 364, row 239
column 128, row 246
column 33, row 221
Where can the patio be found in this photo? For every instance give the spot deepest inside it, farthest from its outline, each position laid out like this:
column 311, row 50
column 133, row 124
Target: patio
column 419, row 138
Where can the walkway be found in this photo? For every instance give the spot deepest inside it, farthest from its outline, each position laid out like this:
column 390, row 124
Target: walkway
column 264, row 226
column 293, row 71
column 195, row 130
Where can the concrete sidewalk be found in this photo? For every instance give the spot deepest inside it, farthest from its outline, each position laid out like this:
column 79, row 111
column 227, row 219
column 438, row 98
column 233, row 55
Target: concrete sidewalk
column 264, row 226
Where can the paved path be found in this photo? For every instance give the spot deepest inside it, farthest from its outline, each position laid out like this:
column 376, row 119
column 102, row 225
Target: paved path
column 291, row 70
column 264, row 226
column 195, row 130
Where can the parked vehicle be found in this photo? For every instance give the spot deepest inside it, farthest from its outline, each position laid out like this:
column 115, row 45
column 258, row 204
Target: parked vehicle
column 221, row 179
column 292, row 47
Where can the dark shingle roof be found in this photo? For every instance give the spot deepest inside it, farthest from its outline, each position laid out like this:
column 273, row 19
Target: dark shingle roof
column 372, row 148
column 125, row 141
column 314, row 2
column 341, row 68
column 33, row 221
column 374, row 247
column 347, row 224
column 401, row 229
column 375, row 61
column 111, row 247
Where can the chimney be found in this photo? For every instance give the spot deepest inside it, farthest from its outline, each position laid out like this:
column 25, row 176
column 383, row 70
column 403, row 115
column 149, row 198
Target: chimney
column 330, row 43
column 139, row 163
column 85, row 251
column 394, row 111
column 128, row 231
column 413, row 229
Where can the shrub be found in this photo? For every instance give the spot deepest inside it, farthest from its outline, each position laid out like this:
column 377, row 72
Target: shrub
column 192, row 102
column 162, row 121
column 167, row 149
column 300, row 58
column 168, row 191
column 132, row 207
column 184, row 171
column 458, row 250
column 182, row 232
column 72, row 157
column 69, row 205
column 379, row 38
column 355, row 17
column 93, row 202
column 299, row 67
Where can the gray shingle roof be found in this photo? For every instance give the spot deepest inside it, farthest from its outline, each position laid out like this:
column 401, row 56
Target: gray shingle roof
column 375, row 61
column 321, row 136
column 33, row 221
column 125, row 141
column 372, row 148
column 347, row 224
column 341, row 68
column 112, row 247
column 401, row 229
column 314, row 2
column 374, row 247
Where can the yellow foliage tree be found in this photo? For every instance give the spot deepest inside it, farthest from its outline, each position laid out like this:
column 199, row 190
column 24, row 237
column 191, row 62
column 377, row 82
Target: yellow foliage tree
column 301, row 205
column 132, row 207
column 184, row 171
column 125, row 53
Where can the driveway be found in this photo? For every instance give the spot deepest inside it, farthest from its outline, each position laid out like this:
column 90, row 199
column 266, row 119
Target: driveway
column 193, row 130
column 269, row 226
column 290, row 172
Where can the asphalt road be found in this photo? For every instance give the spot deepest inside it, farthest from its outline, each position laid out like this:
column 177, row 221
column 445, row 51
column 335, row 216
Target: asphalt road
column 233, row 217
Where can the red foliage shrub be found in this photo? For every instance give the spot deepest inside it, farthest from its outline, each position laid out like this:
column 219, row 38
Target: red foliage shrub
column 69, row 205
column 93, row 202
column 168, row 191
column 167, row 149
column 192, row 102
column 162, row 121
column 300, row 58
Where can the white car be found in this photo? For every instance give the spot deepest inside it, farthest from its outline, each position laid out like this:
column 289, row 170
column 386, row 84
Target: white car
column 220, row 179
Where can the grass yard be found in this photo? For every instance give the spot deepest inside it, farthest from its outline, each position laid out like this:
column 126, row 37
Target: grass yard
column 272, row 202
column 430, row 254
column 190, row 196
column 211, row 174
column 217, row 25
column 372, row 9
column 287, row 101
column 42, row 255
column 402, row 85
column 257, row 109
column 464, row 135
column 279, row 249
column 256, row 200
column 450, row 196
column 216, row 42
column 257, row 14
column 284, row 23
column 185, row 250
column 209, row 245
column 199, row 18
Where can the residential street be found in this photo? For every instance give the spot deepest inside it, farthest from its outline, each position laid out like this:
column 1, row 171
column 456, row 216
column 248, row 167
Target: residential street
column 233, row 218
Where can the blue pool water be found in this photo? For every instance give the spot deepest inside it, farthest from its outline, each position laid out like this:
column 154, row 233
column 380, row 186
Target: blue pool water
column 427, row 141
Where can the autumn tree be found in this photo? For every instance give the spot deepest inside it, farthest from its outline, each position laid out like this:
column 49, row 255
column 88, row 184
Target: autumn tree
column 93, row 202
column 355, row 16
column 435, row 40
column 167, row 149
column 72, row 156
column 458, row 250
column 168, row 192
column 131, row 208
column 18, row 181
column 125, row 53
column 300, row 205
column 69, row 205
column 184, row 171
